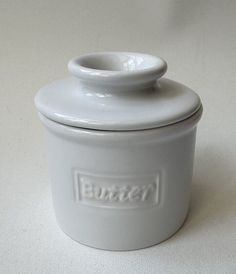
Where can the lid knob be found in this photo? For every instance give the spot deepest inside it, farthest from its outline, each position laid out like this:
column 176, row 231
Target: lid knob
column 118, row 69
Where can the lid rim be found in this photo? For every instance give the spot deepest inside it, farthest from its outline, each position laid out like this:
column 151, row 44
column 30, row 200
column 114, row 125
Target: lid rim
column 197, row 113
column 54, row 103
column 117, row 129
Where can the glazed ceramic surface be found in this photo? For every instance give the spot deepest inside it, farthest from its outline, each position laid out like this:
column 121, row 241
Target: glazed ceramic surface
column 121, row 147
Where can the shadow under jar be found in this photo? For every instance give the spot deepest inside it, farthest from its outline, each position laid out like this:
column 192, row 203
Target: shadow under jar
column 121, row 145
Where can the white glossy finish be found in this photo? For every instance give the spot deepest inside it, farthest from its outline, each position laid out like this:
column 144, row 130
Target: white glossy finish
column 126, row 98
column 121, row 147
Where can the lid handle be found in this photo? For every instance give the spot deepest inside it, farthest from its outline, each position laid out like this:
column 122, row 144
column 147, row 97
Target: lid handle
column 118, row 69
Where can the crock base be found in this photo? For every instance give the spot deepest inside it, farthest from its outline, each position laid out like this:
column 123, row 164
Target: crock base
column 132, row 249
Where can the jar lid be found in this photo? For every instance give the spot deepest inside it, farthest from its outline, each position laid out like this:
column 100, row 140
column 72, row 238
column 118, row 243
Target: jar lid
column 117, row 91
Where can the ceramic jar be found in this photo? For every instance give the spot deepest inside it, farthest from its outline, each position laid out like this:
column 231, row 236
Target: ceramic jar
column 121, row 146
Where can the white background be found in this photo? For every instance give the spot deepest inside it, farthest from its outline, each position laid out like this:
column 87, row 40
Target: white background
column 37, row 38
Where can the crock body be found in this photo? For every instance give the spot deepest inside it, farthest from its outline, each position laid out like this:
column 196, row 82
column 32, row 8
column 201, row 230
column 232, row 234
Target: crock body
column 121, row 190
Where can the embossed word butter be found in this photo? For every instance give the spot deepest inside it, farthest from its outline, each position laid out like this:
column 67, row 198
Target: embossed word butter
column 112, row 192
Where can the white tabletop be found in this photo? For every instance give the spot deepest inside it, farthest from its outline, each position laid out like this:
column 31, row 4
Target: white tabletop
column 37, row 38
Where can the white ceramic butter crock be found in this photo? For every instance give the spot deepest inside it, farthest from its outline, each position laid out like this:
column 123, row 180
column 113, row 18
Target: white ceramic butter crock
column 121, row 146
